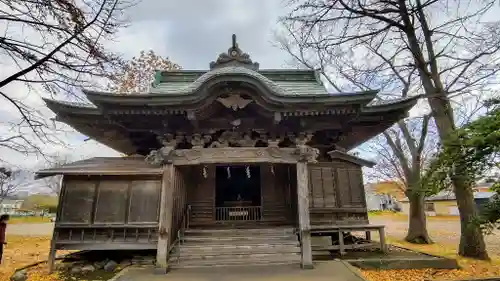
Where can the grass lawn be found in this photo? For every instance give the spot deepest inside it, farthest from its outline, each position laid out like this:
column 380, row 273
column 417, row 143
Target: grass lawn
column 18, row 220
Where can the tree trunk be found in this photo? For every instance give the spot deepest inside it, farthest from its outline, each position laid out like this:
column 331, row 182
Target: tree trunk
column 417, row 229
column 471, row 239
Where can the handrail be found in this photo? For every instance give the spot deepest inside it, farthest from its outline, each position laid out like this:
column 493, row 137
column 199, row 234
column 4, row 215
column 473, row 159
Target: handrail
column 180, row 232
column 184, row 223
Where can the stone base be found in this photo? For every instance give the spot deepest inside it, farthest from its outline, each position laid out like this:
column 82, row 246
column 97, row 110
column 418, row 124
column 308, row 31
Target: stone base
column 307, row 266
column 160, row 270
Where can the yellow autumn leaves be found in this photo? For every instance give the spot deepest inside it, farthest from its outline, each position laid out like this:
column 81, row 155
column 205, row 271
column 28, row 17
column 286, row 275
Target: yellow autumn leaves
column 21, row 251
column 25, row 250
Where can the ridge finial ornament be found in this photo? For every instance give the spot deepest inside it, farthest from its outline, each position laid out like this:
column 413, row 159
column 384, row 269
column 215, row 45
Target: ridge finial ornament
column 235, row 45
column 234, row 57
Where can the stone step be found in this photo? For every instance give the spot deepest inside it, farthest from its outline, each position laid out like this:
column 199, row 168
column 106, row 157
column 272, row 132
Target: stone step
column 246, row 259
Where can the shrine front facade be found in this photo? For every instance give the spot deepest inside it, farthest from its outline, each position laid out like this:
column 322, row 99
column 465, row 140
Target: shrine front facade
column 231, row 147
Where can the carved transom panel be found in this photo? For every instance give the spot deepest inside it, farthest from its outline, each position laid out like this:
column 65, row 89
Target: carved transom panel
column 230, row 147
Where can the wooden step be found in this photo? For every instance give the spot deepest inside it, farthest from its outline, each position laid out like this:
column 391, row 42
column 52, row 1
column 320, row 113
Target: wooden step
column 246, row 263
column 234, row 246
column 240, row 224
column 243, row 248
column 247, row 260
column 250, row 231
column 238, row 239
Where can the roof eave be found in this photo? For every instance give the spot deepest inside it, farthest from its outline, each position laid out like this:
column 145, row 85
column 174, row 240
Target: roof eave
column 336, row 154
column 405, row 104
column 80, row 172
column 62, row 107
column 140, row 99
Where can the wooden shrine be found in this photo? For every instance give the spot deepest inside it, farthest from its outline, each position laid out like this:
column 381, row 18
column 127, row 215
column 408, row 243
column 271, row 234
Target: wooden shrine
column 231, row 147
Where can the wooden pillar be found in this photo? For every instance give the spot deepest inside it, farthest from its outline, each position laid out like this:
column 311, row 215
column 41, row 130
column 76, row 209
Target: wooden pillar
column 53, row 250
column 304, row 220
column 165, row 220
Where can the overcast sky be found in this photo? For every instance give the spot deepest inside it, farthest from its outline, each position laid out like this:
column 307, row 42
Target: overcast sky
column 191, row 33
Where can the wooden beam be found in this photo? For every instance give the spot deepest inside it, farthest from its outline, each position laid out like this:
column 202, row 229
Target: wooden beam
column 165, row 221
column 242, row 155
column 304, row 219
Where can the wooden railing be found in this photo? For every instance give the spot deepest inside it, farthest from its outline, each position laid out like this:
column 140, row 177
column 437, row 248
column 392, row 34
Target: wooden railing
column 250, row 213
column 184, row 224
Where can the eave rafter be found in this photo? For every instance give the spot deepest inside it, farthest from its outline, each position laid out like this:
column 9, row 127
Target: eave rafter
column 198, row 104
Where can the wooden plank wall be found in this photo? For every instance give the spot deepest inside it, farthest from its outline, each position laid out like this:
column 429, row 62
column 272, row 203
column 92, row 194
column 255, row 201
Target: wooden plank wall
column 108, row 210
column 201, row 195
column 336, row 194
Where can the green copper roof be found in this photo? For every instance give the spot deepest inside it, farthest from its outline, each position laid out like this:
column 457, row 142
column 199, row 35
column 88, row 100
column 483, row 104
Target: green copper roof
column 285, row 82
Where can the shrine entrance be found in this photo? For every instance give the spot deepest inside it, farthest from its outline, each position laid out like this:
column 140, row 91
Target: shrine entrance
column 238, row 193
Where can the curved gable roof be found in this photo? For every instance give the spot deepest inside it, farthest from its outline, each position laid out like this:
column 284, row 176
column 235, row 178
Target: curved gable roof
column 282, row 93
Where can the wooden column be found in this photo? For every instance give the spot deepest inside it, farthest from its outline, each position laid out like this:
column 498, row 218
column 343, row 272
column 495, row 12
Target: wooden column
column 165, row 220
column 303, row 209
column 53, row 250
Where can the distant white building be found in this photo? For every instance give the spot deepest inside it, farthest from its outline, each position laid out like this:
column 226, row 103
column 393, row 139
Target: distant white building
column 379, row 202
column 10, row 207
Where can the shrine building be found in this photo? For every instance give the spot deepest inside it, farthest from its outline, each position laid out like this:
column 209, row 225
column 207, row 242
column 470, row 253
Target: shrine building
column 230, row 165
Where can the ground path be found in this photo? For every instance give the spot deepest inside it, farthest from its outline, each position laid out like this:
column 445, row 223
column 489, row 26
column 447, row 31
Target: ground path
column 442, row 231
column 324, row 271
column 30, row 229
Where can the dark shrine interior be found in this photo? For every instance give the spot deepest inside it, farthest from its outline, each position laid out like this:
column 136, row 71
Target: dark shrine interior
column 237, row 185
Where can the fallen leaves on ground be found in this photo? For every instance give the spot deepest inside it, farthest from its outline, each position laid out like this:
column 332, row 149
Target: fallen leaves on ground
column 24, row 250
column 469, row 268
column 39, row 273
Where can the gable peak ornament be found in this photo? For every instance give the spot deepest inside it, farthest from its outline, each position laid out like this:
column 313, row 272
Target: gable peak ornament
column 234, row 57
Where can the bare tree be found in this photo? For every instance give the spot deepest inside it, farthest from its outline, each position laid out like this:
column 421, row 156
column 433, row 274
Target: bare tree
column 138, row 74
column 54, row 182
column 8, row 182
column 51, row 47
column 403, row 152
column 441, row 49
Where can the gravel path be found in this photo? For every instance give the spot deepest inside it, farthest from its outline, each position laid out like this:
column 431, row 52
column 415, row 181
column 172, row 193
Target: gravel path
column 30, row 229
column 441, row 231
